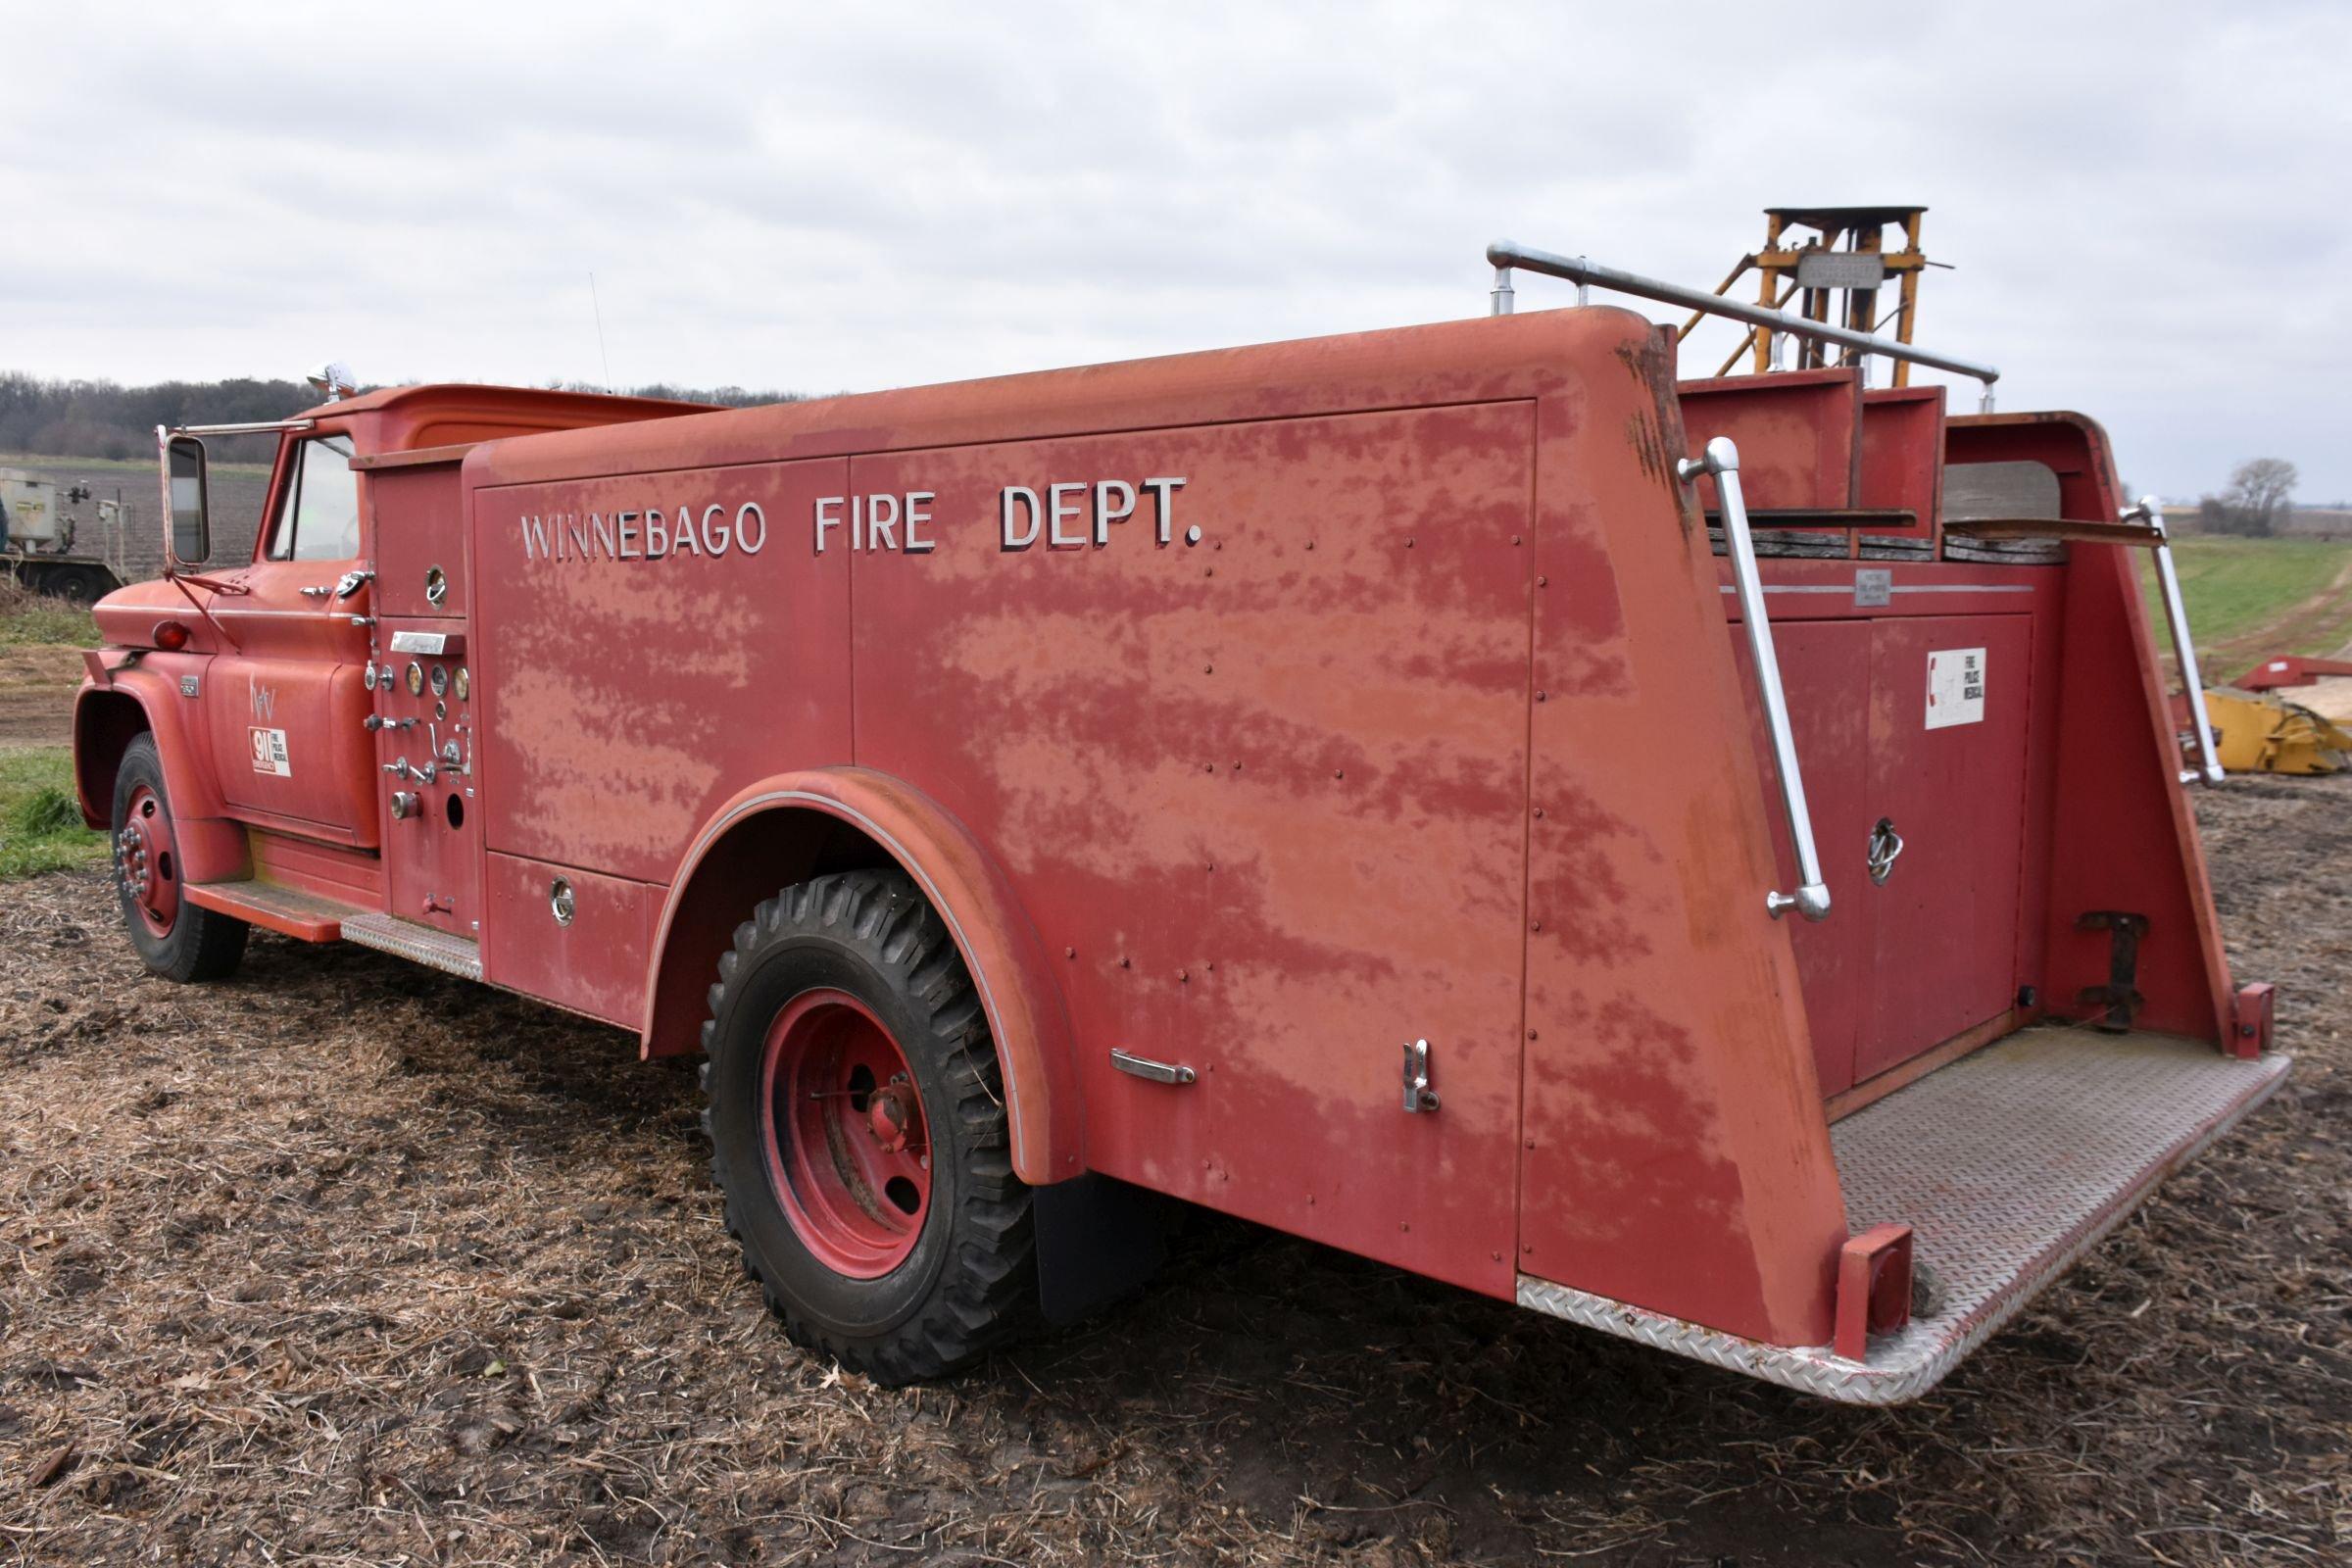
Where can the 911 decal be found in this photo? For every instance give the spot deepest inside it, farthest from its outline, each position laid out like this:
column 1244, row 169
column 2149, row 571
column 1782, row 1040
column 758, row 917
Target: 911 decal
column 270, row 753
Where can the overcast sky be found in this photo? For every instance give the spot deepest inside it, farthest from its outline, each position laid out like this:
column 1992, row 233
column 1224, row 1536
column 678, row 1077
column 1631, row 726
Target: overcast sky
column 2146, row 203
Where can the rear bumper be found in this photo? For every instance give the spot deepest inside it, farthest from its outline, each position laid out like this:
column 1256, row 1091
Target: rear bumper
column 2009, row 1165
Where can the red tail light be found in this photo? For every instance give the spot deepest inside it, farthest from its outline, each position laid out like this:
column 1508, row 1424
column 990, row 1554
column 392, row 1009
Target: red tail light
column 171, row 635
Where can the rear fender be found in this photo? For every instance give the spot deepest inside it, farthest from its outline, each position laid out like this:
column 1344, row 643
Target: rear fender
column 997, row 942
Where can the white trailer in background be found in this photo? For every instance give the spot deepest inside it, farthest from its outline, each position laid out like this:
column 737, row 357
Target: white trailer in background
column 40, row 524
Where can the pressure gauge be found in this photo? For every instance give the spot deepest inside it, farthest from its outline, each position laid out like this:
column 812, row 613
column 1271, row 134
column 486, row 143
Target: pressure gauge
column 416, row 678
column 463, row 684
column 440, row 680
column 368, row 676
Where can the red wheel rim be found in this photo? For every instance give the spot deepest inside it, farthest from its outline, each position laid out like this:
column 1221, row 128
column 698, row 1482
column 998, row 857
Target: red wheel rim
column 843, row 1130
column 147, row 862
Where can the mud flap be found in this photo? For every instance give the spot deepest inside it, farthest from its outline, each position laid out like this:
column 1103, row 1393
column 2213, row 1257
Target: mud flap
column 1097, row 1239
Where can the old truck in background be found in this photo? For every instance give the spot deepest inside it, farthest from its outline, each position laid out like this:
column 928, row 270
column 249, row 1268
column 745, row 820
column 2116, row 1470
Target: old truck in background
column 41, row 523
column 1664, row 852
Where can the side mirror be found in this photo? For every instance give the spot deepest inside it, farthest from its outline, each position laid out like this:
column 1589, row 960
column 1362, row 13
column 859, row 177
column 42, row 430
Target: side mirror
column 188, row 496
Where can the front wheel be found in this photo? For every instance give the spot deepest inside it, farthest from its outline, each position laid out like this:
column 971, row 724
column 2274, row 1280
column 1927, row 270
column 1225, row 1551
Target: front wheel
column 175, row 938
column 858, row 1130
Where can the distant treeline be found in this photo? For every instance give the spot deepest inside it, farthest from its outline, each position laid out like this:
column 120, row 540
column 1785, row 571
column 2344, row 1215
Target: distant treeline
column 104, row 420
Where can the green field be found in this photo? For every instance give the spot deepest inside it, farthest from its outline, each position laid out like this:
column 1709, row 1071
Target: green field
column 2250, row 598
column 28, row 620
column 40, row 826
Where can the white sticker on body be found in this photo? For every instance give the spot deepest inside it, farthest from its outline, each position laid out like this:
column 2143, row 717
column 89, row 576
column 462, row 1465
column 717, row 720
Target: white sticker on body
column 1955, row 687
column 270, row 753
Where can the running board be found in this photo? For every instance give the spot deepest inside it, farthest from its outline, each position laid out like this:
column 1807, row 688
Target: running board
column 274, row 907
column 422, row 944
column 2009, row 1165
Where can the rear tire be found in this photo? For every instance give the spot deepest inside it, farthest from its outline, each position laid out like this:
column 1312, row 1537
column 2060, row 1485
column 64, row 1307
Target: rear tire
column 77, row 585
column 173, row 938
column 858, row 1130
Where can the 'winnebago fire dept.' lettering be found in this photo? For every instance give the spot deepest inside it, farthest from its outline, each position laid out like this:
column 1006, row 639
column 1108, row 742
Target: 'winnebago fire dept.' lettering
column 885, row 521
column 648, row 535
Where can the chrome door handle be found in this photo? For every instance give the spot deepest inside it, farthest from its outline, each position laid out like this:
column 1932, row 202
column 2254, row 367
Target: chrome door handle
column 1885, row 846
column 1812, row 895
column 320, row 591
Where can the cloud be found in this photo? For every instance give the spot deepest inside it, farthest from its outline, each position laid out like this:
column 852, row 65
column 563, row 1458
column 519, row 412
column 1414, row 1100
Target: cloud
column 2141, row 201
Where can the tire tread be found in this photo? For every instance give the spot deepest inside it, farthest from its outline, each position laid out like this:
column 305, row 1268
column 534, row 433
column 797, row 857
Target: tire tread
column 987, row 1287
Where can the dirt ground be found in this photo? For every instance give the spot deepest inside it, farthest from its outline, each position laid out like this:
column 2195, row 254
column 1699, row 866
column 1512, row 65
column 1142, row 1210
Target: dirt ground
column 36, row 694
column 345, row 1261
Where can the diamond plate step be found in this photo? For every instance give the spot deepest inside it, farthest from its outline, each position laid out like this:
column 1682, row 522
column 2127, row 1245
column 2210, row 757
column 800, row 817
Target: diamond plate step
column 435, row 948
column 2009, row 1165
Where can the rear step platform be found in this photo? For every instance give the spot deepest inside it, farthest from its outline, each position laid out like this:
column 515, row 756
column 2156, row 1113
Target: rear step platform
column 2009, row 1165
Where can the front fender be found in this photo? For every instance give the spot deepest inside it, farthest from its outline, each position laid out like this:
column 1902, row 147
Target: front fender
column 998, row 943
column 117, row 701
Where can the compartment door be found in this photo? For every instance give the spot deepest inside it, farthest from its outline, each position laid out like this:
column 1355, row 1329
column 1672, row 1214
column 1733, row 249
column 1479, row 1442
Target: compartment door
column 1826, row 670
column 432, row 849
column 1948, row 759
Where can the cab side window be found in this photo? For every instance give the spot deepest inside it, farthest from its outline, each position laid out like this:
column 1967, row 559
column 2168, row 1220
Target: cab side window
column 319, row 517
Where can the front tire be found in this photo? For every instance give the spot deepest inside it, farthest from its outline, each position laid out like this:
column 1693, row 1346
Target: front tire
column 175, row 938
column 858, row 1130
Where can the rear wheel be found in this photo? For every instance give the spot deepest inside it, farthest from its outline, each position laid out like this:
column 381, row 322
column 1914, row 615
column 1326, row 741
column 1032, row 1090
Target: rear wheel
column 858, row 1130
column 77, row 585
column 175, row 938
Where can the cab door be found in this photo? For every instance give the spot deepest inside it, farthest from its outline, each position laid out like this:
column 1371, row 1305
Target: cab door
column 288, row 700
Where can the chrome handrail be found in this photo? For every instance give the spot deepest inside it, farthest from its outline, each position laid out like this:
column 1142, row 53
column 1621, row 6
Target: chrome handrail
column 2185, row 648
column 250, row 428
column 1587, row 273
column 1812, row 897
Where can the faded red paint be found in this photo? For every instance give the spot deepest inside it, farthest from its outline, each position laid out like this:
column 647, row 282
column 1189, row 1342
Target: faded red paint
column 1438, row 731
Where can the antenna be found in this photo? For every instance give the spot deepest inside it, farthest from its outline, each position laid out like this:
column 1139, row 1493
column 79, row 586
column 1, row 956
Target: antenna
column 596, row 306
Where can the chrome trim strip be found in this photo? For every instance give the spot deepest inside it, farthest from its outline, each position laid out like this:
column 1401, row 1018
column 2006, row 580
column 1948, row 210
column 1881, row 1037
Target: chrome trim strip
column 1899, row 588
column 314, row 613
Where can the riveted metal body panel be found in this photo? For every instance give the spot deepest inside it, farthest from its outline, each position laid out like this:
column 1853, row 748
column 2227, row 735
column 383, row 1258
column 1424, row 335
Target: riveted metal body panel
column 1670, row 1090
column 420, row 540
column 624, row 698
column 591, row 959
column 1269, row 784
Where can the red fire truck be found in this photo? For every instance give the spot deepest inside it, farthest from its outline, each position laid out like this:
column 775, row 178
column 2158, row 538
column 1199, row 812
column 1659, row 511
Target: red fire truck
column 1670, row 853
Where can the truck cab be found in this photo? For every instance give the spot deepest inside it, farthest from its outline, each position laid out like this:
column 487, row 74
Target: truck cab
column 256, row 681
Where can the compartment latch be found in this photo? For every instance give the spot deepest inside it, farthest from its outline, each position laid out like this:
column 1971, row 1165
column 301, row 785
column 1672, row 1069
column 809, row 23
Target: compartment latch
column 1418, row 1096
